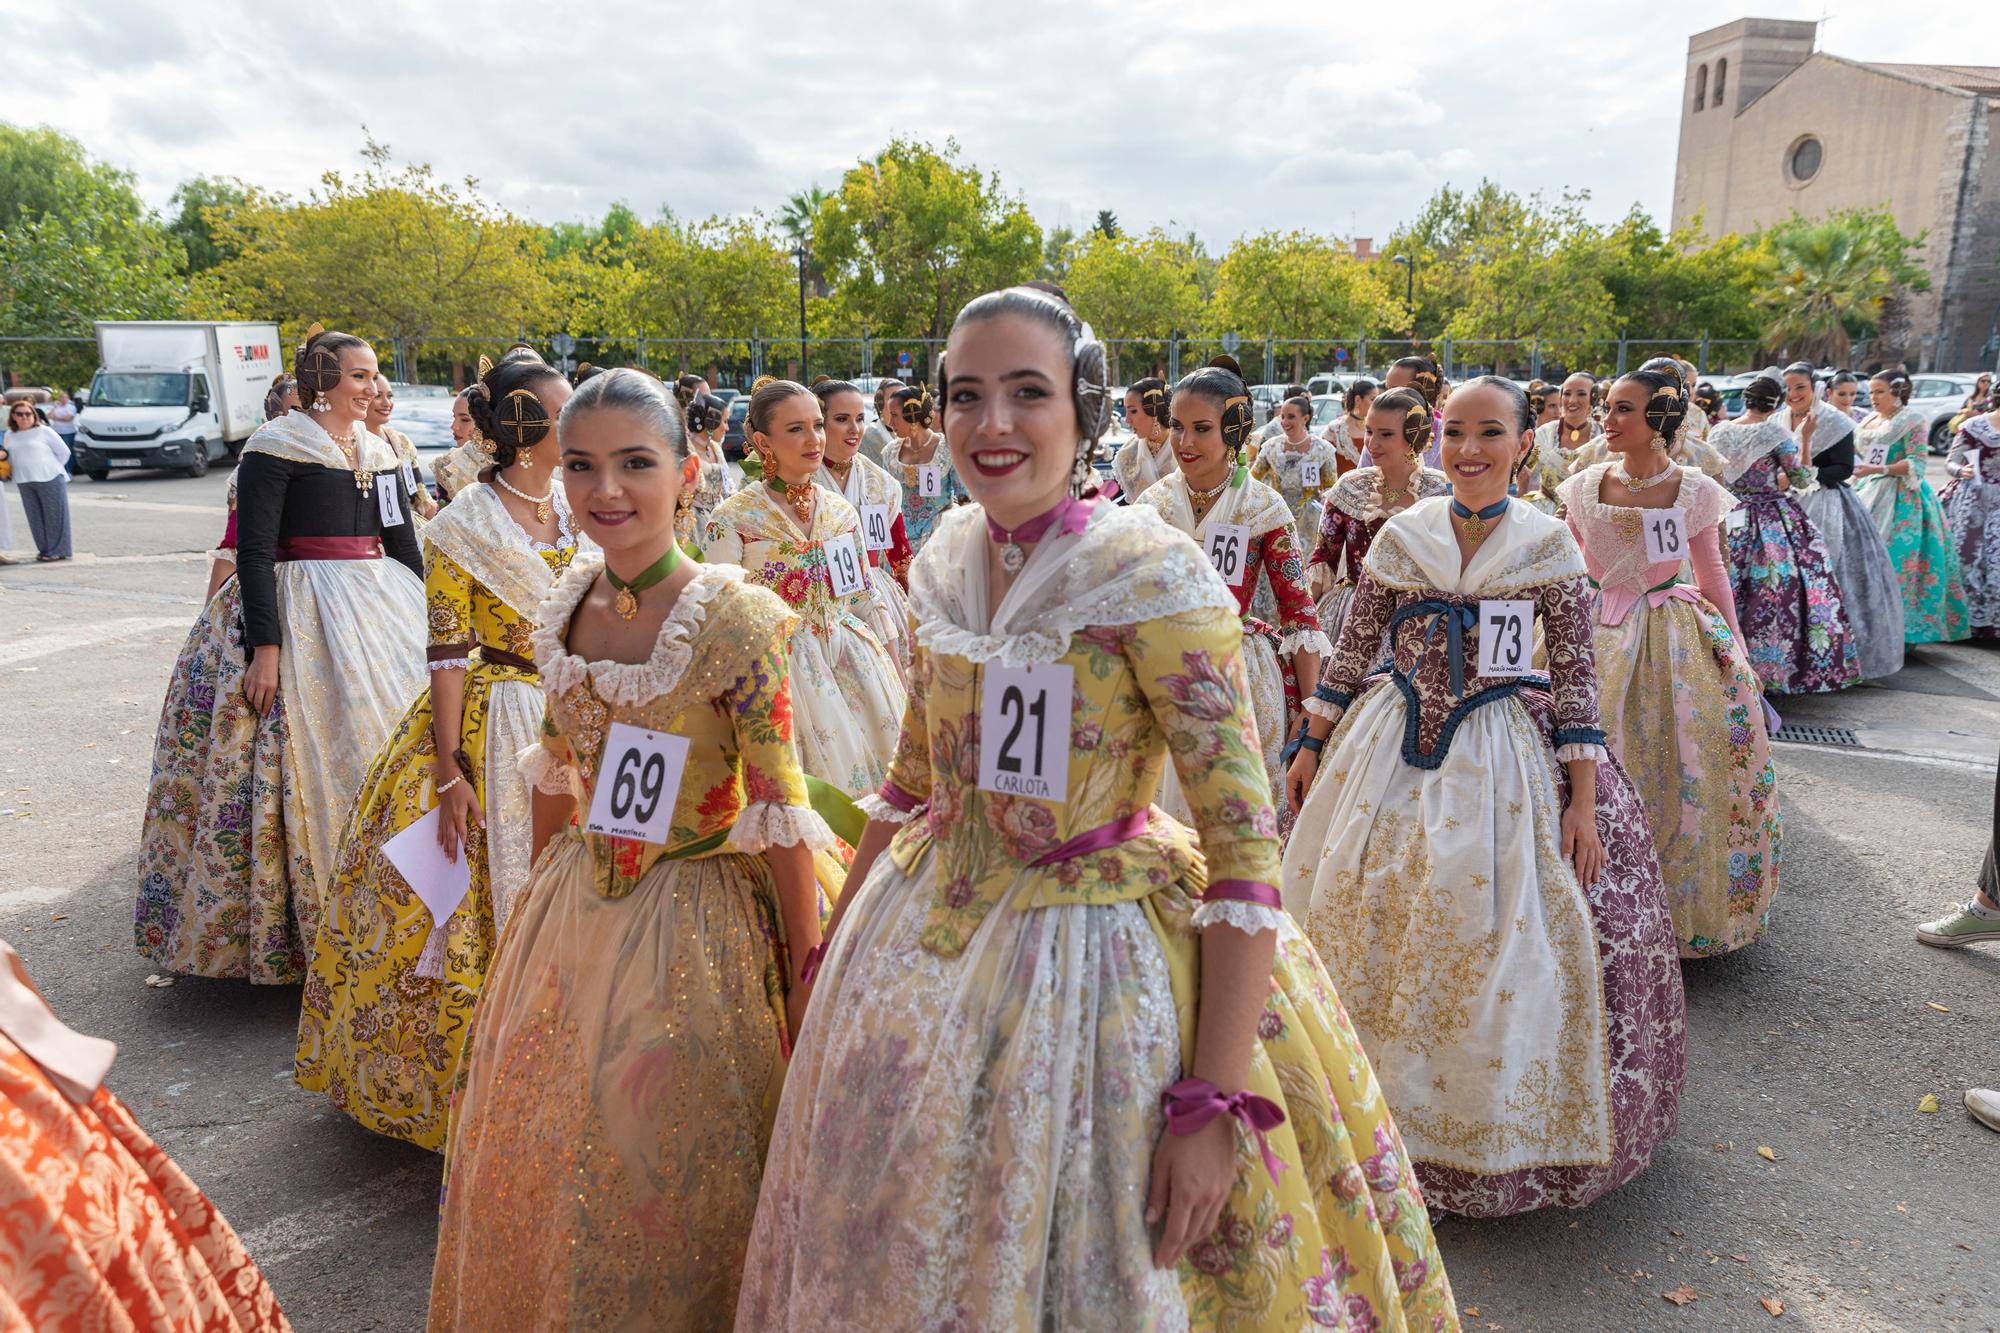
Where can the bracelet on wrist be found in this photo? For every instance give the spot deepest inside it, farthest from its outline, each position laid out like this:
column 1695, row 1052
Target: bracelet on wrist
column 447, row 786
column 1312, row 743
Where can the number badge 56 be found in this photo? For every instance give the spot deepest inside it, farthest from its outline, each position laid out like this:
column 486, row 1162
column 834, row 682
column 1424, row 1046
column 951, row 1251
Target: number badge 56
column 637, row 784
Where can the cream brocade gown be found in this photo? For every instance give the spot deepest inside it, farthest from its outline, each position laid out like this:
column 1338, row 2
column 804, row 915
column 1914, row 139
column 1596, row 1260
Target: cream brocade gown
column 846, row 687
column 968, row 1126
column 630, row 1044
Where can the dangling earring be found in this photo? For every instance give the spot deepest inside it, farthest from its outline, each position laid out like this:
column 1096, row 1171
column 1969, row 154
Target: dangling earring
column 1659, row 442
column 320, row 403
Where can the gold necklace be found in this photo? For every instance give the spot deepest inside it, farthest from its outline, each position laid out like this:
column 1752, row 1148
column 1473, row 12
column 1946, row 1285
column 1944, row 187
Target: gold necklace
column 1636, row 484
column 1200, row 501
column 542, row 503
column 799, row 497
column 840, row 471
column 350, row 450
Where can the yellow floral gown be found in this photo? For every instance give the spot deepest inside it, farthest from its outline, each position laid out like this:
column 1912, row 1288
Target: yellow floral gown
column 619, row 1085
column 975, row 1100
column 846, row 684
column 388, row 995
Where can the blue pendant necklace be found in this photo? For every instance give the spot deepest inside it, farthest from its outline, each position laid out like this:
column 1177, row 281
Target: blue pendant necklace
column 1477, row 525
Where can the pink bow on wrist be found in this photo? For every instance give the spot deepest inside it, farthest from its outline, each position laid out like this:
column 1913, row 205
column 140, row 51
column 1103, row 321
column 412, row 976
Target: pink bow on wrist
column 809, row 968
column 1193, row 1102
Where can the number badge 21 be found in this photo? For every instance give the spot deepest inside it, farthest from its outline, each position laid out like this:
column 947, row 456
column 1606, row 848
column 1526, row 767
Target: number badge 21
column 1024, row 717
column 637, row 784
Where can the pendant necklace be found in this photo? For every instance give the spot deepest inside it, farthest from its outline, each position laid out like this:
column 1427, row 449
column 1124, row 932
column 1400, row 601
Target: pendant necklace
column 1012, row 557
column 799, row 497
column 1632, row 483
column 1477, row 525
column 1200, row 501
column 627, row 605
column 350, row 450
column 542, row 503
column 1575, row 435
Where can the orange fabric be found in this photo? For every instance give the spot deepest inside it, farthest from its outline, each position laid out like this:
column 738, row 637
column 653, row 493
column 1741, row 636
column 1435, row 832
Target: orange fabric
column 100, row 1231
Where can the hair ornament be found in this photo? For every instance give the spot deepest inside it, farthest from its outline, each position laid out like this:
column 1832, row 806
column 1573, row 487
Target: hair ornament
column 521, row 415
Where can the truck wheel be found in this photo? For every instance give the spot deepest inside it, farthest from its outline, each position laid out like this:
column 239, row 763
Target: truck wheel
column 99, row 474
column 199, row 468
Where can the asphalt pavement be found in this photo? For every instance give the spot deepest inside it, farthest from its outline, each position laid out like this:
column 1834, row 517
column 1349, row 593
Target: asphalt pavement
column 1804, row 1172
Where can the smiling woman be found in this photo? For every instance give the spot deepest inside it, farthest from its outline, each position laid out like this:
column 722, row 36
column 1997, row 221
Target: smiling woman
column 1468, row 792
column 804, row 542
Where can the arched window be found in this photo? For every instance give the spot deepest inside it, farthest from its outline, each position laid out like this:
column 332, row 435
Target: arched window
column 1701, row 88
column 1721, row 78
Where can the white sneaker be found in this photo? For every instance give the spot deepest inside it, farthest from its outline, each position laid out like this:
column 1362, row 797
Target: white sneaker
column 1984, row 1103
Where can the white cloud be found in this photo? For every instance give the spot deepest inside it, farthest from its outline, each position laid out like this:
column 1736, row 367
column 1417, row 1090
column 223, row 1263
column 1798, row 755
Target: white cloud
column 1260, row 114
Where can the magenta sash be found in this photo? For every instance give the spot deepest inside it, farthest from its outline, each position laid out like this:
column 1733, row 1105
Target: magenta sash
column 1098, row 839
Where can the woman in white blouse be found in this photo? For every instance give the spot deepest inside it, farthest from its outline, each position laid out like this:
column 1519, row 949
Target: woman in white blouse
column 41, row 469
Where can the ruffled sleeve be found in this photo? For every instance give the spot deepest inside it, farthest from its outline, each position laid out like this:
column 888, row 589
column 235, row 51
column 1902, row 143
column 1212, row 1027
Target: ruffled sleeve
column 1190, row 667
column 549, row 765
column 1565, row 609
column 777, row 810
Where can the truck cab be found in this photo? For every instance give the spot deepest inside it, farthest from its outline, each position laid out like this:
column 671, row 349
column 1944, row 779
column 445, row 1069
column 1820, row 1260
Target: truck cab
column 149, row 418
column 174, row 394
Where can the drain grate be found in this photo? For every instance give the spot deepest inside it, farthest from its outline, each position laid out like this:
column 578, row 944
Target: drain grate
column 1815, row 735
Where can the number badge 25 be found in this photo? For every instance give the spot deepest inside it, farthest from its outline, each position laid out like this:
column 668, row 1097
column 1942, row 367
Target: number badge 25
column 1024, row 730
column 637, row 784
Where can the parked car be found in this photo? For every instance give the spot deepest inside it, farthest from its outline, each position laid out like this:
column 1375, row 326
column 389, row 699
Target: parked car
column 1264, row 399
column 424, row 417
column 1940, row 397
column 735, row 440
column 1326, row 410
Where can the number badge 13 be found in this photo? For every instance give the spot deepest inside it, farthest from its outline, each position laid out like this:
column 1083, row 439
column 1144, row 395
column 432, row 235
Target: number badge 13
column 637, row 784
column 1024, row 730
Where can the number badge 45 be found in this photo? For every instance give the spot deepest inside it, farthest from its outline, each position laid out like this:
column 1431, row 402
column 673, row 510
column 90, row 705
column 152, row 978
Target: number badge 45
column 637, row 784
column 1024, row 731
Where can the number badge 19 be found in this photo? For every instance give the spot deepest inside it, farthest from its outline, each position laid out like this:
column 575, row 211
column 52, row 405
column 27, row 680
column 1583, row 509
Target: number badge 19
column 1024, row 730
column 637, row 784
column 843, row 565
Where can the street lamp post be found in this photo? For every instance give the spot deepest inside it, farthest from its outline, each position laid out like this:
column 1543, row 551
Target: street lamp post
column 802, row 252
column 1409, row 290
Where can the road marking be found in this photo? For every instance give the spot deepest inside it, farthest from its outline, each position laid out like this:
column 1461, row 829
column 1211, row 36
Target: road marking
column 339, row 1219
column 151, row 506
column 50, row 642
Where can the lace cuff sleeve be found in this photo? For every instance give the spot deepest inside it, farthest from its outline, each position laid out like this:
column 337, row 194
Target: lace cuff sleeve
column 768, row 824
column 545, row 772
column 1244, row 904
column 883, row 812
column 1306, row 641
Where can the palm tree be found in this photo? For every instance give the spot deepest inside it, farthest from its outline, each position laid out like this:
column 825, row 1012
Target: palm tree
column 801, row 210
column 1829, row 280
column 1107, row 223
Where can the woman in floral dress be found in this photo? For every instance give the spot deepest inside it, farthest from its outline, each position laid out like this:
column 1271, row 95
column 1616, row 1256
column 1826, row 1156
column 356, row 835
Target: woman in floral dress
column 1681, row 706
column 1890, row 448
column 1972, row 507
column 99, row 1229
column 1246, row 529
column 878, row 498
column 715, row 478
column 1793, row 618
column 392, row 988
column 1292, row 459
column 275, row 714
column 619, row 1081
column 1473, row 864
column 1397, row 431
column 796, row 538
column 916, row 456
column 1015, row 1089
column 1148, row 455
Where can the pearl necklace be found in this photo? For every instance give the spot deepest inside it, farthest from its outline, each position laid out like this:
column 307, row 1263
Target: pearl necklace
column 1635, row 484
column 542, row 503
column 1200, row 501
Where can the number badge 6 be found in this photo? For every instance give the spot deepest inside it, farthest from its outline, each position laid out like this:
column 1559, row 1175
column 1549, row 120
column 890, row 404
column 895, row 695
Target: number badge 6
column 1024, row 730
column 637, row 784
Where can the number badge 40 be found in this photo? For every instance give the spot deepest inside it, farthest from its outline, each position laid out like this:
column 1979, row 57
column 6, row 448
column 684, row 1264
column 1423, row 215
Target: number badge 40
column 637, row 784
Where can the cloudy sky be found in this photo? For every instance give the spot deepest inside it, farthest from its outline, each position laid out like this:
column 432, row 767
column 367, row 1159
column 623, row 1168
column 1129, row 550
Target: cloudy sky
column 1224, row 117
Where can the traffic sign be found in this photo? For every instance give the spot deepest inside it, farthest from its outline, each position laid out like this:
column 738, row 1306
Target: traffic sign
column 1230, row 342
column 1340, row 354
column 562, row 344
column 903, row 359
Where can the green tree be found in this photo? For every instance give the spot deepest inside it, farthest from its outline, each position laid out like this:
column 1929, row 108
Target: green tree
column 1829, row 278
column 1539, row 277
column 1295, row 284
column 76, row 245
column 193, row 204
column 713, row 283
column 1107, row 224
column 1682, row 284
column 800, row 216
column 392, row 254
column 913, row 234
column 1055, row 253
column 1133, row 288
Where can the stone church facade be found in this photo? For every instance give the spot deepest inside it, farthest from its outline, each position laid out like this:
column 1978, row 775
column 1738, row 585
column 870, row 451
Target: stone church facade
column 1770, row 125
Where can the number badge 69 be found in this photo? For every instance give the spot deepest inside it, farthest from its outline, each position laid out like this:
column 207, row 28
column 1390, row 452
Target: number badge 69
column 637, row 784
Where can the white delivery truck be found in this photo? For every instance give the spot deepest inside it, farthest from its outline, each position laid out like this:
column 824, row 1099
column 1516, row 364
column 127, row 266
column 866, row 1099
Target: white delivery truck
column 174, row 394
